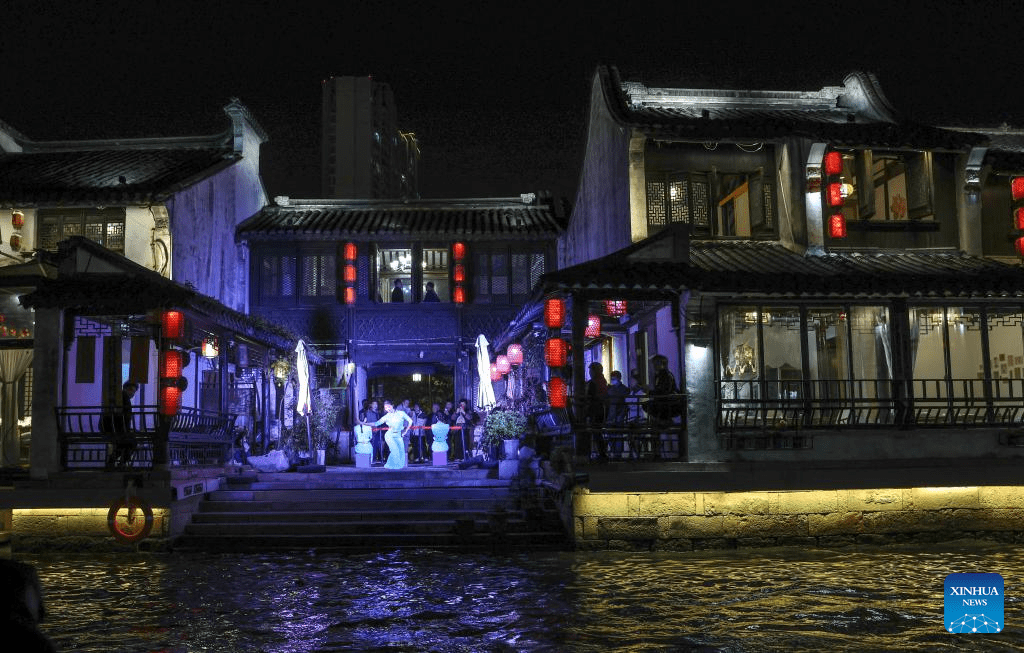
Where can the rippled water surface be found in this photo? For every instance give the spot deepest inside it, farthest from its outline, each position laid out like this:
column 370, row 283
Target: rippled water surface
column 749, row 600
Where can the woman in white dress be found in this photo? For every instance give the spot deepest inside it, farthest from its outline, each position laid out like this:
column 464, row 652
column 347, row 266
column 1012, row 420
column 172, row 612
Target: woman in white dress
column 398, row 424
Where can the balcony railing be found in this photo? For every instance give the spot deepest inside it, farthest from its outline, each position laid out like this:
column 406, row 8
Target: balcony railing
column 869, row 403
column 640, row 426
column 88, row 435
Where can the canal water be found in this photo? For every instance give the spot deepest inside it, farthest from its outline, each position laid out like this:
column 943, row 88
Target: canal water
column 745, row 600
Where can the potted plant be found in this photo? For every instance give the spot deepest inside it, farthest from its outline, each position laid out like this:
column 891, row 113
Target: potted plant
column 504, row 426
column 325, row 412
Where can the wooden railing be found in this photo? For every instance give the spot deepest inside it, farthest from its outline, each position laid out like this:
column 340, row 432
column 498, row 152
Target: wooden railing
column 869, row 403
column 194, row 437
column 638, row 426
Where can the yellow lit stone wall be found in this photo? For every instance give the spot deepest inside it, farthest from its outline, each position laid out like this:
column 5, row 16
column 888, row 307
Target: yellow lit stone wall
column 688, row 520
column 68, row 522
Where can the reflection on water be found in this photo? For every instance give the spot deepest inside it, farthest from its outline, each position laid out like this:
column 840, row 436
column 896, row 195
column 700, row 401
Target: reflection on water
column 750, row 600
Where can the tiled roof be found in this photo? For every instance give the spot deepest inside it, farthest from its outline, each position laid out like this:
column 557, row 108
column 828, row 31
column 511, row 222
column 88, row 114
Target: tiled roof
column 107, row 175
column 469, row 219
column 854, row 115
column 752, row 268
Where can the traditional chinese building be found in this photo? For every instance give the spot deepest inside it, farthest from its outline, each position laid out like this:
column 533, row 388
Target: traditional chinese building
column 834, row 287
column 356, row 274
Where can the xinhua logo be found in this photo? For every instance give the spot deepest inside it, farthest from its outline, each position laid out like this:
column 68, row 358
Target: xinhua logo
column 974, row 603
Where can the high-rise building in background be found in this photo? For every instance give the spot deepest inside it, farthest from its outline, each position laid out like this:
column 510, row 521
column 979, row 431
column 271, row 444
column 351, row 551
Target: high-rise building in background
column 364, row 154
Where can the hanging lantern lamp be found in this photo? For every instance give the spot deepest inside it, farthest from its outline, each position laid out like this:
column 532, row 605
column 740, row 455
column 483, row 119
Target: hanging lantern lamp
column 554, row 313
column 556, row 392
column 615, row 307
column 556, row 352
column 515, row 354
column 593, row 329
column 495, row 374
column 503, row 364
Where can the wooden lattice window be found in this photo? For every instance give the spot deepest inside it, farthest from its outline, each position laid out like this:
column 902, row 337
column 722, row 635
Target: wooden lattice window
column 104, row 226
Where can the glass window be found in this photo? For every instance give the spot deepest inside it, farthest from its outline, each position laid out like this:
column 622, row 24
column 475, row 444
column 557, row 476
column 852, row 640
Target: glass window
column 394, row 275
column 104, row 226
column 739, row 354
column 277, row 277
column 319, row 276
column 435, row 274
column 731, row 204
column 1005, row 346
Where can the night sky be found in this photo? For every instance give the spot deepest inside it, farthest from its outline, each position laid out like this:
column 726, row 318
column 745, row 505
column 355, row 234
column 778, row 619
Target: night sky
column 498, row 98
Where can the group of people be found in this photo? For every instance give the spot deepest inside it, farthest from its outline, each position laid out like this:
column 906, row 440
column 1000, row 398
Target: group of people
column 606, row 403
column 398, row 292
column 408, row 434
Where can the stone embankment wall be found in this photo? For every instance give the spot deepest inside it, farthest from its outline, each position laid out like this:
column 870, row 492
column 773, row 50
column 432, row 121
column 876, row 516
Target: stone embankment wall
column 825, row 518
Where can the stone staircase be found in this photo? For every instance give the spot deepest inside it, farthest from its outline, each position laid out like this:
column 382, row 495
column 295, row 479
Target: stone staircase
column 375, row 509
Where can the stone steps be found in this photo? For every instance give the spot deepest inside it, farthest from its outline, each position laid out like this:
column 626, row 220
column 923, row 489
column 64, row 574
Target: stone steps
column 370, row 510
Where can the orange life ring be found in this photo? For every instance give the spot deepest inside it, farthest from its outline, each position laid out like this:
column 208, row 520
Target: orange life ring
column 131, row 528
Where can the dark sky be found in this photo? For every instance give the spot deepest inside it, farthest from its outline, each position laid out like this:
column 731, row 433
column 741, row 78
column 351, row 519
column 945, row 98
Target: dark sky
column 498, row 98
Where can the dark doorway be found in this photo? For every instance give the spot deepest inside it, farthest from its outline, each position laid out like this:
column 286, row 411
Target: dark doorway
column 422, row 383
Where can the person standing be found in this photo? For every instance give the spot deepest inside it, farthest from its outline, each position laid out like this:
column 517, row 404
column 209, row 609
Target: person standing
column 430, row 295
column 419, row 432
column 597, row 399
column 124, row 428
column 465, row 419
column 398, row 424
column 617, row 393
column 397, row 293
column 367, row 416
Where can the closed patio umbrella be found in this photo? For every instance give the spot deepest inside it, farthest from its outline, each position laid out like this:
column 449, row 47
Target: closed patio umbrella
column 485, row 395
column 303, row 403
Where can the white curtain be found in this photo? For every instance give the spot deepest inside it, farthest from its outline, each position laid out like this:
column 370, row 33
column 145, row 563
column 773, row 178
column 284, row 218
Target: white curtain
column 485, row 397
column 13, row 363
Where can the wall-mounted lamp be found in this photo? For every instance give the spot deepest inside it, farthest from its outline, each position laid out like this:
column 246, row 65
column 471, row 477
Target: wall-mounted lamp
column 210, row 348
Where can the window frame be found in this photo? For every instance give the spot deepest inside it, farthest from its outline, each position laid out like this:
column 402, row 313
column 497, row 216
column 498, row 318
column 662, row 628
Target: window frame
column 60, row 217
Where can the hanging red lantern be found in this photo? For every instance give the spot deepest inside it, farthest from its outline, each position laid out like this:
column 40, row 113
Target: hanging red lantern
column 459, row 251
column 833, row 163
column 170, row 363
column 495, row 374
column 459, row 274
column 18, row 219
column 170, row 400
column 556, row 392
column 172, row 324
column 350, row 273
column 554, row 313
column 504, row 366
column 835, row 194
column 1017, row 187
column 350, row 295
column 837, row 226
column 350, row 251
column 16, row 242
column 593, row 329
column 459, row 295
column 515, row 353
column 25, row 332
column 556, row 352
column 615, row 307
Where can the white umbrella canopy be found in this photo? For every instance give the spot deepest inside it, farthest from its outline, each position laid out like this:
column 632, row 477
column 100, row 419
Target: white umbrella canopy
column 485, row 396
column 303, row 402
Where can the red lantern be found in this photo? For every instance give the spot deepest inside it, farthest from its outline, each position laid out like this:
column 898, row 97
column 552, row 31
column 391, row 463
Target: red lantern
column 1019, row 245
column 16, row 242
column 460, row 273
column 515, row 353
column 833, row 163
column 504, row 366
column 1017, row 187
column 837, row 226
column 350, row 273
column 172, row 324
column 835, row 194
column 615, row 307
column 556, row 392
column 556, row 352
column 170, row 364
column 350, row 295
column 593, row 329
column 495, row 374
column 1018, row 218
column 459, row 295
column 459, row 251
column 350, row 251
column 554, row 313
column 18, row 219
column 25, row 332
column 170, row 400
